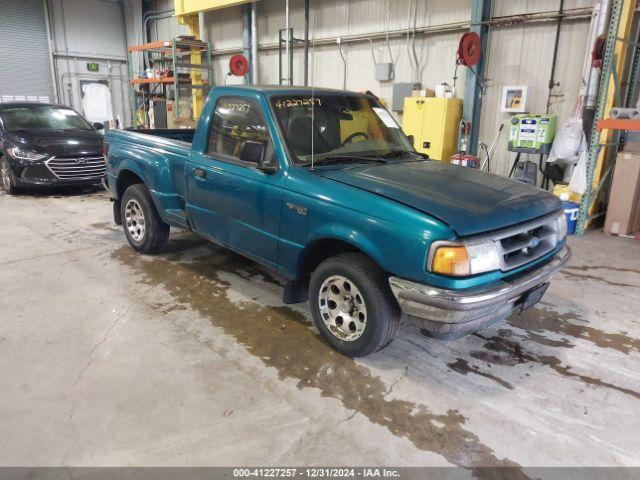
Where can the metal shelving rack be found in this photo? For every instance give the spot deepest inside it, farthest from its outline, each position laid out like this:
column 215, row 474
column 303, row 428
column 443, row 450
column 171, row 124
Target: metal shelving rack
column 171, row 55
column 620, row 16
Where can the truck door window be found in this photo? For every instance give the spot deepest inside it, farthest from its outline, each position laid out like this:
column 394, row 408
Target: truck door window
column 240, row 132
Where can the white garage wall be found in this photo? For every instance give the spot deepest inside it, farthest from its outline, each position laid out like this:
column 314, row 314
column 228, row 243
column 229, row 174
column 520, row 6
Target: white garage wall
column 518, row 54
column 85, row 31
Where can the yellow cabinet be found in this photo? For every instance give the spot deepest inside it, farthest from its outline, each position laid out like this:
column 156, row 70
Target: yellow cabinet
column 434, row 124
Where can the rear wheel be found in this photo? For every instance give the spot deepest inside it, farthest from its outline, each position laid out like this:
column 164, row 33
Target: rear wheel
column 352, row 304
column 142, row 225
column 7, row 179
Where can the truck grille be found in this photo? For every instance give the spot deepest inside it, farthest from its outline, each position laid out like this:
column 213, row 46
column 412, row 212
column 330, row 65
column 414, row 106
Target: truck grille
column 77, row 168
column 523, row 244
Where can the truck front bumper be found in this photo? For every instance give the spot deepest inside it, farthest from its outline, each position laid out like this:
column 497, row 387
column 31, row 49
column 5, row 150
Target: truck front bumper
column 453, row 313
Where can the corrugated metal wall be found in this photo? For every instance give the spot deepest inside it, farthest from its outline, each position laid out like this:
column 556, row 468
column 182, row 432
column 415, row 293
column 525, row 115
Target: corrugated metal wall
column 518, row 54
column 522, row 55
column 26, row 65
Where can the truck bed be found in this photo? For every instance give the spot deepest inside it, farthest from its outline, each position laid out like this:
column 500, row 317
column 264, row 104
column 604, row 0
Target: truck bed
column 182, row 134
column 147, row 151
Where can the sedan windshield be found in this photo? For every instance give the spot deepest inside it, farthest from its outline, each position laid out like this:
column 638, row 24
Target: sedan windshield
column 41, row 117
column 338, row 127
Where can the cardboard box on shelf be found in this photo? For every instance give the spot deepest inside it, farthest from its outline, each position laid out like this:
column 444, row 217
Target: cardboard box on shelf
column 184, row 122
column 623, row 212
column 632, row 147
column 425, row 92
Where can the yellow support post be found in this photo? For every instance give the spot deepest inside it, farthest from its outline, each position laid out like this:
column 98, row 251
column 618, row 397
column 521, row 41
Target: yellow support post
column 195, row 58
column 190, row 7
column 621, row 48
column 186, row 12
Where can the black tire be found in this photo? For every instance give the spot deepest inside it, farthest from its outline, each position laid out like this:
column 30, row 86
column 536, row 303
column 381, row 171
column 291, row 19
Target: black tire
column 383, row 314
column 7, row 178
column 155, row 233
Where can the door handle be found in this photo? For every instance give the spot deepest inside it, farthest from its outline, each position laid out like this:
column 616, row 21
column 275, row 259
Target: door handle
column 200, row 173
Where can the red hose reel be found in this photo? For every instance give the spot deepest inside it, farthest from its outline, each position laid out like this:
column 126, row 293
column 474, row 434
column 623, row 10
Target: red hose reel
column 469, row 49
column 239, row 65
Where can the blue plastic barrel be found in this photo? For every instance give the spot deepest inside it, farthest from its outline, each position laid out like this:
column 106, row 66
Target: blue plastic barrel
column 571, row 211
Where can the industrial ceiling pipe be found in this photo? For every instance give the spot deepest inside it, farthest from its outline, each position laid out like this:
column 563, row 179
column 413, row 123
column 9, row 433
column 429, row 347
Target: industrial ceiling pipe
column 306, row 43
column 576, row 14
column 552, row 78
column 149, row 16
column 255, row 69
column 287, row 46
column 201, row 27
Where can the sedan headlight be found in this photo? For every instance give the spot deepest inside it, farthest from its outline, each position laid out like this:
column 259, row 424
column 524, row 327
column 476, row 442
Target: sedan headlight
column 20, row 154
column 463, row 259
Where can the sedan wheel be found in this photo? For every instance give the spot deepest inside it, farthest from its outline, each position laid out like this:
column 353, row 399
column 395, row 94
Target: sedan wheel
column 6, row 180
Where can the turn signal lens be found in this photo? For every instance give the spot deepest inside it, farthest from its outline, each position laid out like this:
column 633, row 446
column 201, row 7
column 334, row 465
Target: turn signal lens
column 452, row 260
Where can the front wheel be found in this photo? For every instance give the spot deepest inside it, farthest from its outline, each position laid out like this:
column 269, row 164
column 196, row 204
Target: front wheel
column 143, row 227
column 352, row 305
column 7, row 179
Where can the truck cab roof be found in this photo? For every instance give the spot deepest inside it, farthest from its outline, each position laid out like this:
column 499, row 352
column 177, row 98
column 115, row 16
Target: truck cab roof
column 285, row 90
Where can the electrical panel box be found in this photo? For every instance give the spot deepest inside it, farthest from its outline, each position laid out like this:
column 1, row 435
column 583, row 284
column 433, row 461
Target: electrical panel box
column 400, row 91
column 433, row 123
column 384, row 72
column 532, row 133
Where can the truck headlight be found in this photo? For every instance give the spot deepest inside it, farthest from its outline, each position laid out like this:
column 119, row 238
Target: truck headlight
column 561, row 226
column 463, row 259
column 28, row 155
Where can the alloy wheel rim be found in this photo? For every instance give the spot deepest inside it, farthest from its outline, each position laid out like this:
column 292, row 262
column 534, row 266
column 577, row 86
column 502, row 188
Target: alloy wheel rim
column 134, row 220
column 342, row 307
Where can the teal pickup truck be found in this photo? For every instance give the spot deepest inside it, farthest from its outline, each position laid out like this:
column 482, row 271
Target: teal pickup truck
column 323, row 187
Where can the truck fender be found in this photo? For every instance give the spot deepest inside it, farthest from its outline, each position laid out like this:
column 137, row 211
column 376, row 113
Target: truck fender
column 346, row 235
column 320, row 241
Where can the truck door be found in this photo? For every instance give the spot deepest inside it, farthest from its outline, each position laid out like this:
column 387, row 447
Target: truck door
column 232, row 198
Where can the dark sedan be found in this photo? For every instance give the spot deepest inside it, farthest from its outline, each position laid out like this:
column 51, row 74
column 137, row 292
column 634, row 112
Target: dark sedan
column 47, row 145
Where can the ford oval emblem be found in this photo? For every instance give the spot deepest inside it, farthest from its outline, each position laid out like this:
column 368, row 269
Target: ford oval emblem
column 534, row 242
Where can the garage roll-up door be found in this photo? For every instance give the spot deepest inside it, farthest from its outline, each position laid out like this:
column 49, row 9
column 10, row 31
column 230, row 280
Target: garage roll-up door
column 25, row 68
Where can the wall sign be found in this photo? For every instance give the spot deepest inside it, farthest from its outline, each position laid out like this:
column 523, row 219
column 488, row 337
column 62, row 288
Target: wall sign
column 514, row 99
column 93, row 66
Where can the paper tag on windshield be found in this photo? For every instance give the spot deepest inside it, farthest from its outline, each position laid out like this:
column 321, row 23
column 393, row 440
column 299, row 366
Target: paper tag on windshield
column 386, row 117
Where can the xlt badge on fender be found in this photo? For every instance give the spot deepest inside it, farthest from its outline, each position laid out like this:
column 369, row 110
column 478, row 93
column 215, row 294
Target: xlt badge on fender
column 299, row 209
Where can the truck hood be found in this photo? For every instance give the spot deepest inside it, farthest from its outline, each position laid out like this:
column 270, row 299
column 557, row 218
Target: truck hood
column 468, row 200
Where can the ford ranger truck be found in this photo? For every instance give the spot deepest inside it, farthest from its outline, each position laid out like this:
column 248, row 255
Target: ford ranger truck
column 323, row 187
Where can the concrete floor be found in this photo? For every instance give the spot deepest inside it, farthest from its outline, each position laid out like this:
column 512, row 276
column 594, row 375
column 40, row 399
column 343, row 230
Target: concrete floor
column 189, row 358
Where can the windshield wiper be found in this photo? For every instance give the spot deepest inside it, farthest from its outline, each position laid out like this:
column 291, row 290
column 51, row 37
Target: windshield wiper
column 345, row 159
column 402, row 153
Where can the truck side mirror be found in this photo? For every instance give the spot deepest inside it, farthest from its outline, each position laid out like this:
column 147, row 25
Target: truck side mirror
column 269, row 165
column 412, row 140
column 252, row 152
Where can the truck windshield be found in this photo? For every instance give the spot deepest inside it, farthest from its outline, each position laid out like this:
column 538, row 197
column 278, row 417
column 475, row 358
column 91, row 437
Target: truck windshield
column 338, row 126
column 41, row 117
